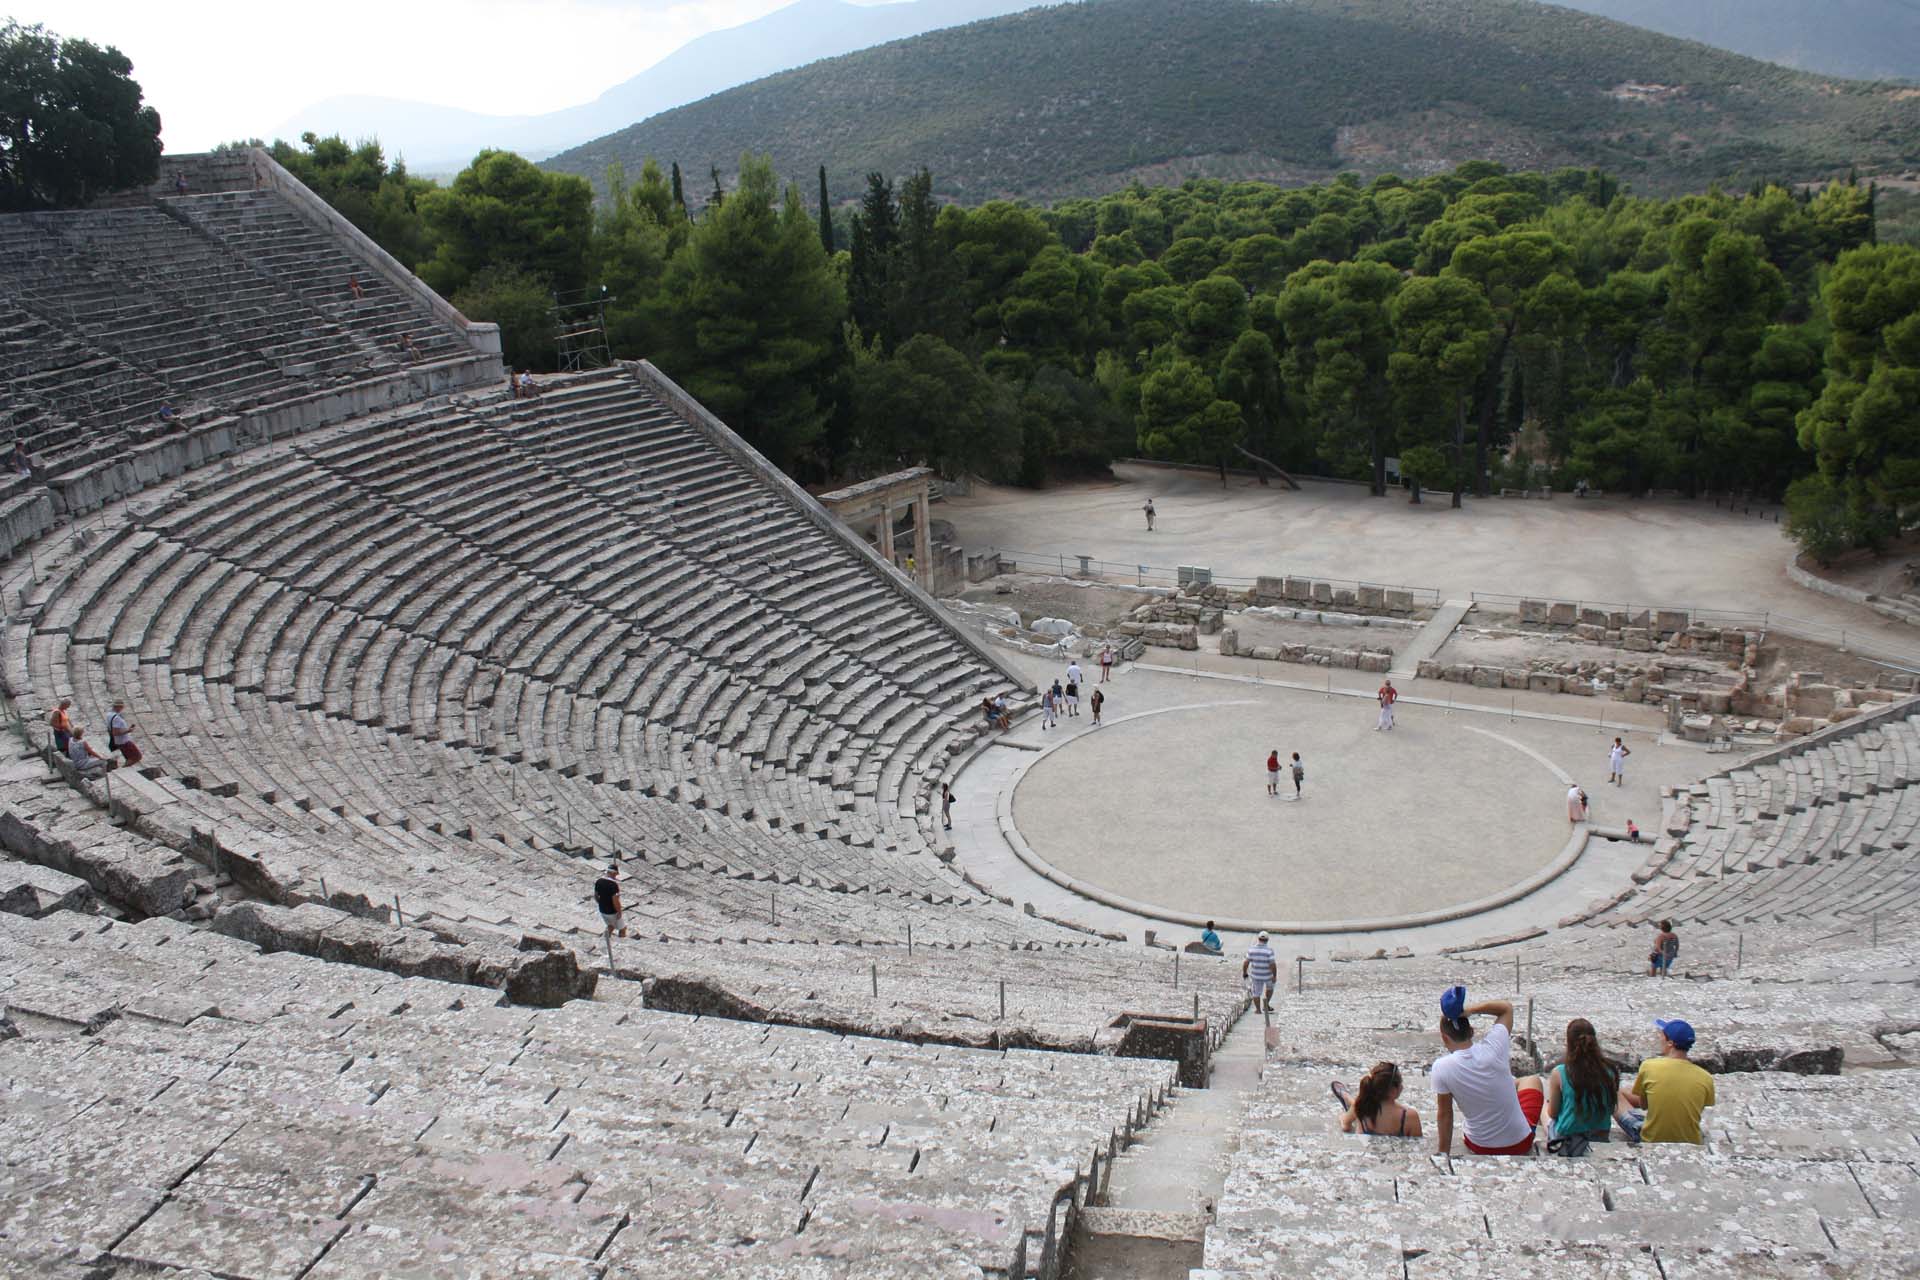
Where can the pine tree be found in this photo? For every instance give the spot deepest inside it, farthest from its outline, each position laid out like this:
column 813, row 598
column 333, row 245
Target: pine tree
column 826, row 215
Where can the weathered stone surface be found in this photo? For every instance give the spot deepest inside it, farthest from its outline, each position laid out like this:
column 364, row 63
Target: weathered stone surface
column 1398, row 601
column 1670, row 622
column 27, row 889
column 1534, row 611
column 1562, row 614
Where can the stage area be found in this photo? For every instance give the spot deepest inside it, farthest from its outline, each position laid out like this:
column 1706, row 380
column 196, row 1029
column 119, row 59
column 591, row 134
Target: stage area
column 1170, row 808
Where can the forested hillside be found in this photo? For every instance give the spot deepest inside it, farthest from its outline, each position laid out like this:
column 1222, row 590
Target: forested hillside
column 1083, row 98
column 1863, row 39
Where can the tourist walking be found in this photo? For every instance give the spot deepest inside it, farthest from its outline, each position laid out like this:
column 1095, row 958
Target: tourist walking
column 120, row 734
column 1047, row 705
column 1299, row 775
column 946, row 806
column 1666, row 949
column 1097, row 701
column 1576, row 803
column 62, row 725
column 1258, row 969
column 1073, row 692
column 1669, row 1092
column 1106, row 663
column 1617, row 762
column 1273, row 772
column 1497, row 1113
column 1150, row 514
column 606, row 897
column 1387, row 695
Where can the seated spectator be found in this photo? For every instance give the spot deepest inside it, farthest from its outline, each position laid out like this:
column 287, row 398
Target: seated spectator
column 527, row 387
column 1669, row 1092
column 167, row 413
column 1375, row 1108
column 1497, row 1112
column 1666, row 949
column 1584, row 1089
column 353, row 287
column 1211, row 940
column 83, row 757
column 22, row 461
column 1002, row 718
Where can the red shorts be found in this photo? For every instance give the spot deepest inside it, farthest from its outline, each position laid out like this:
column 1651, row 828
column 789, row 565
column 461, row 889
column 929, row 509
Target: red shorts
column 1531, row 1100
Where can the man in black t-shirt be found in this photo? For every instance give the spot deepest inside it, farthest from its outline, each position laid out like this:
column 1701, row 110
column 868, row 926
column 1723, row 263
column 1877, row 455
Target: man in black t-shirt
column 606, row 896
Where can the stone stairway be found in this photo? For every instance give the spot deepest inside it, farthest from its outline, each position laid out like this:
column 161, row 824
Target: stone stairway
column 1152, row 1220
column 1430, row 638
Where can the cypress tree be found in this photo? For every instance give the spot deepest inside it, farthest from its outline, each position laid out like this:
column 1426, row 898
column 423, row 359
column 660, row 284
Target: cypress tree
column 679, row 196
column 826, row 215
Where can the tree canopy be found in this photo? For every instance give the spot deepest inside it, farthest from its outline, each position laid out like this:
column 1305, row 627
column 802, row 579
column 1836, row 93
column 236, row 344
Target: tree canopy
column 72, row 125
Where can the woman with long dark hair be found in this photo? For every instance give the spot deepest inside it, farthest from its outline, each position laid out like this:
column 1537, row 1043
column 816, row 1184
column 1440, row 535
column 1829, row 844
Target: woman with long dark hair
column 1375, row 1108
column 1584, row 1089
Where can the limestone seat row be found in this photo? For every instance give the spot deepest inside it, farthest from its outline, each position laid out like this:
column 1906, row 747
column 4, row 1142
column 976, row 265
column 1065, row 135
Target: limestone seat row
column 387, row 651
column 277, row 1115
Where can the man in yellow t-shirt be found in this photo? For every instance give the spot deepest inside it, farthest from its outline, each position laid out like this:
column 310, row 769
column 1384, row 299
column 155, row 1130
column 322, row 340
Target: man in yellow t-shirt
column 1670, row 1089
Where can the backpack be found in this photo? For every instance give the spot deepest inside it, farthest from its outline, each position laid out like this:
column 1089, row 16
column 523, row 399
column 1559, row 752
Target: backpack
column 1671, row 947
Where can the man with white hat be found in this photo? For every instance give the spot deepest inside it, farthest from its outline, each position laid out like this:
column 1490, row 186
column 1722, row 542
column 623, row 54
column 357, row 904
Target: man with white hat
column 1258, row 969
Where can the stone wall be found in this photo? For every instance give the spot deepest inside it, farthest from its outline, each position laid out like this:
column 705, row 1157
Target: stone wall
column 1398, row 602
column 1318, row 655
column 538, row 972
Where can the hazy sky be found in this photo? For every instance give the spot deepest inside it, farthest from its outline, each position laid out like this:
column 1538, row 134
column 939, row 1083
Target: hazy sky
column 219, row 70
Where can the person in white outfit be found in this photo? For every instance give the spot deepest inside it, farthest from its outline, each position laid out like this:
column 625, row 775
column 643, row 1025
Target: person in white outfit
column 1388, row 695
column 1617, row 762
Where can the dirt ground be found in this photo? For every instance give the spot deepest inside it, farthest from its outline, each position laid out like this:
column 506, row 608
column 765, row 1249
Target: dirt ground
column 1884, row 575
column 1781, row 656
column 1257, row 629
column 1090, row 606
column 1489, row 651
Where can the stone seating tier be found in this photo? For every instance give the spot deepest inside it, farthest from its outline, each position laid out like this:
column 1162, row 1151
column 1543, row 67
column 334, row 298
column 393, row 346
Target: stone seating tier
column 275, row 1114
column 378, row 651
column 218, row 304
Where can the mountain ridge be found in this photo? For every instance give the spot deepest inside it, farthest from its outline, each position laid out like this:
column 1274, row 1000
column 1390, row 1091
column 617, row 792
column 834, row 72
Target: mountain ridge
column 1083, row 98
column 440, row 138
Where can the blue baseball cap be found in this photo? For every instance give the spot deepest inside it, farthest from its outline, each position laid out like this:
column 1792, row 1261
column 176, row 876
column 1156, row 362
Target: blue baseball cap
column 1678, row 1030
column 1453, row 1002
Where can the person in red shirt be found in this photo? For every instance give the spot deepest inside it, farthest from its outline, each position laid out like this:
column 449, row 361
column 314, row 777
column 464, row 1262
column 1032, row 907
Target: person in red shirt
column 1388, row 695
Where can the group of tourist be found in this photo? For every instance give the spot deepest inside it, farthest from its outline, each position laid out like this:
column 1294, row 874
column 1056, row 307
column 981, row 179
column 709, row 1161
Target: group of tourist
column 1578, row 1103
column 70, row 740
column 1062, row 699
column 521, row 386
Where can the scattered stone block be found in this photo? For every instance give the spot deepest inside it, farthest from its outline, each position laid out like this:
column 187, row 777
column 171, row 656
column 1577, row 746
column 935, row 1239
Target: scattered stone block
column 1372, row 598
column 1534, row 611
column 1668, row 622
column 1399, row 601
column 1561, row 614
column 1543, row 682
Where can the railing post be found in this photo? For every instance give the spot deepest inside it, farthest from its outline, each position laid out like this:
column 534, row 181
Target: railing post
column 873, row 976
column 1176, row 968
column 1003, row 999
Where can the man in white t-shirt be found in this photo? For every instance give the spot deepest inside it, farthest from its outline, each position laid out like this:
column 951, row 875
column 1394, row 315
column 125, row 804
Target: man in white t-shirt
column 1498, row 1113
